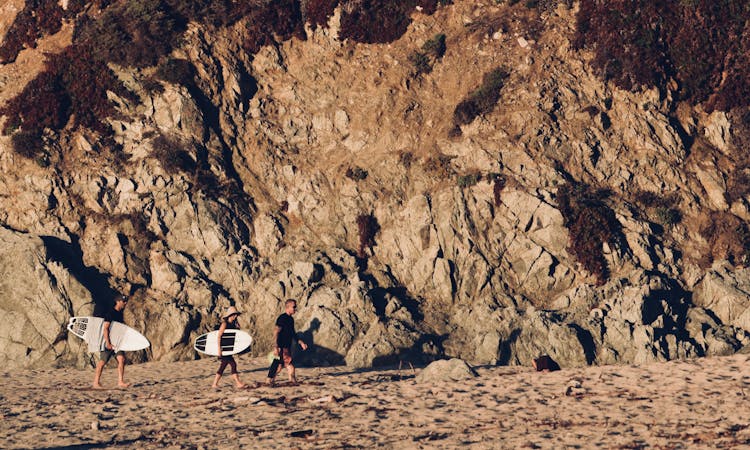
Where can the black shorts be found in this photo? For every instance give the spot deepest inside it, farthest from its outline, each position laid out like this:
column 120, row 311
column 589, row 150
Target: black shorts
column 107, row 354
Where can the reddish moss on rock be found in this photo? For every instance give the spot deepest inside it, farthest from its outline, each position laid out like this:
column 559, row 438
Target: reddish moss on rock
column 318, row 12
column 37, row 19
column 43, row 103
column 368, row 227
column 280, row 19
column 728, row 237
column 86, row 81
column 73, row 84
column 702, row 44
column 379, row 21
column 590, row 224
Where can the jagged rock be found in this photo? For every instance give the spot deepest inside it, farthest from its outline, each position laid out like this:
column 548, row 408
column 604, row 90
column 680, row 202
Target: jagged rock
column 307, row 272
column 713, row 337
column 167, row 325
column 331, row 325
column 175, row 110
column 725, row 292
column 383, row 343
column 268, row 235
column 541, row 332
column 166, row 276
column 713, row 183
column 38, row 294
column 717, row 130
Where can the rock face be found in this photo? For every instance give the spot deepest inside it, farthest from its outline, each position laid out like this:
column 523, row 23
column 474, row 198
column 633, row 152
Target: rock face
column 479, row 270
column 37, row 296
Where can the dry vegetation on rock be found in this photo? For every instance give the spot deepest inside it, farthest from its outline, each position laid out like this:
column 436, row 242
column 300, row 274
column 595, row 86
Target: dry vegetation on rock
column 139, row 34
column 591, row 223
column 367, row 227
column 701, row 44
column 483, row 99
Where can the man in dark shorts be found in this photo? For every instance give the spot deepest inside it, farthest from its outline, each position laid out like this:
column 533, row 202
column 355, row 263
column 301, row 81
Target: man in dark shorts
column 284, row 334
column 113, row 315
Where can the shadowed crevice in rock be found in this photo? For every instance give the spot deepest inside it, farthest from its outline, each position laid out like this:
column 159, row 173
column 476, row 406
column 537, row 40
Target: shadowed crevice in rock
column 505, row 352
column 672, row 303
column 587, row 343
column 685, row 137
column 248, row 87
column 415, row 354
column 70, row 256
column 380, row 298
column 211, row 114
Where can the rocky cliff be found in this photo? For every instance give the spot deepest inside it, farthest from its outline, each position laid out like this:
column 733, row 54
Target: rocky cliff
column 337, row 173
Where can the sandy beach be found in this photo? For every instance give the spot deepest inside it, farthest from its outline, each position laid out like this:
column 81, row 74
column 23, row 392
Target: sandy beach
column 699, row 403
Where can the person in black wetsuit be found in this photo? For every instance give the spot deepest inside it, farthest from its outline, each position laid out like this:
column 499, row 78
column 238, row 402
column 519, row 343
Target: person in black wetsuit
column 229, row 321
column 113, row 315
column 284, row 334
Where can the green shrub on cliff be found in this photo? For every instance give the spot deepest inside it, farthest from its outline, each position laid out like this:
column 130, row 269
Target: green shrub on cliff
column 482, row 100
column 660, row 207
column 468, row 180
column 431, row 51
column 132, row 33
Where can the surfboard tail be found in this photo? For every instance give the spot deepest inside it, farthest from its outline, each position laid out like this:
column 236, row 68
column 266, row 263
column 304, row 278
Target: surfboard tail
column 78, row 326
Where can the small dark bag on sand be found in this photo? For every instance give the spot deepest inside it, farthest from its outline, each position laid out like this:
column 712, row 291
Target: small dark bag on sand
column 544, row 362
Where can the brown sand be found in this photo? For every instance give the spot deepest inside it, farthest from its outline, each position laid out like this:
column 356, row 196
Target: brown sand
column 699, row 403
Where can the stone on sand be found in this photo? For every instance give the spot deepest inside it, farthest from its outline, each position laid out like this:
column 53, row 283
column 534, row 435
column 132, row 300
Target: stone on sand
column 446, row 370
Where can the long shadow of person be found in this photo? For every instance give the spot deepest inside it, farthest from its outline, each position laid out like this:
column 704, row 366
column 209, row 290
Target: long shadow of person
column 317, row 355
column 70, row 256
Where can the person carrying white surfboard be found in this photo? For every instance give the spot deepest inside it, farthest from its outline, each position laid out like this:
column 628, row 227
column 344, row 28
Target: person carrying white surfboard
column 229, row 321
column 284, row 334
column 113, row 315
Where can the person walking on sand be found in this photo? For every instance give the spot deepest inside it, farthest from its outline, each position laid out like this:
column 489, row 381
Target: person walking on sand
column 284, row 334
column 229, row 321
column 114, row 314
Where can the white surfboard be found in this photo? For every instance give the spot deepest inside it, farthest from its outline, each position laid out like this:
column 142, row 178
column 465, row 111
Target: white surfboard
column 123, row 338
column 232, row 342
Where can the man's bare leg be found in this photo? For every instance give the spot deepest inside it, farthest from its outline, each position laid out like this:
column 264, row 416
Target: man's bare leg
column 292, row 373
column 98, row 374
column 121, row 371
